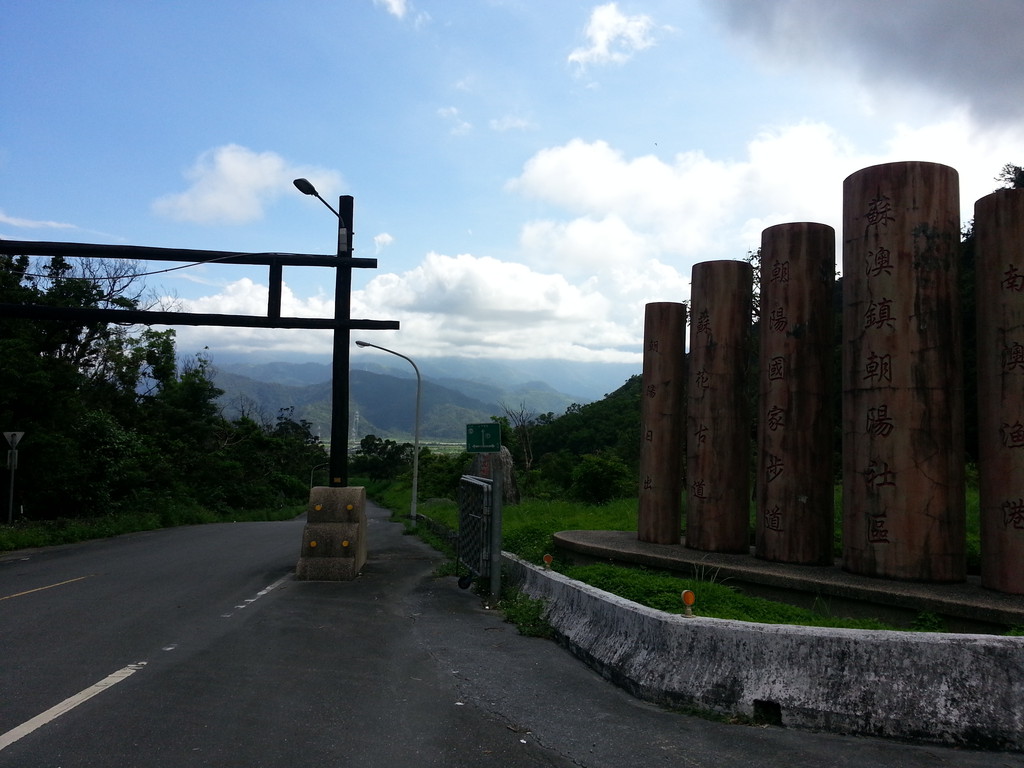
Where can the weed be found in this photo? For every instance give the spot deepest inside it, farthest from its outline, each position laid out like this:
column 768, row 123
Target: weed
column 526, row 613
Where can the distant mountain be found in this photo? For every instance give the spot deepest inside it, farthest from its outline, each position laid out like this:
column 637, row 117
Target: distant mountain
column 480, row 378
column 382, row 388
column 379, row 404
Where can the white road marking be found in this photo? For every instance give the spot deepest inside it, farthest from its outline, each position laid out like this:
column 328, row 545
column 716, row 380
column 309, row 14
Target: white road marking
column 250, row 600
column 67, row 705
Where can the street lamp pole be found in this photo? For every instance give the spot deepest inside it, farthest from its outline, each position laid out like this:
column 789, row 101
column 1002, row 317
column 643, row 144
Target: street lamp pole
column 416, row 427
column 338, row 465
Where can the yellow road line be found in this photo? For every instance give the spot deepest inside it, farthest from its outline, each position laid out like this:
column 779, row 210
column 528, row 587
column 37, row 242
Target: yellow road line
column 40, row 589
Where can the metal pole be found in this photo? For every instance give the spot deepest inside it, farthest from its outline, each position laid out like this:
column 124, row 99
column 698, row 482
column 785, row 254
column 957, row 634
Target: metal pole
column 416, row 426
column 338, row 473
column 12, row 461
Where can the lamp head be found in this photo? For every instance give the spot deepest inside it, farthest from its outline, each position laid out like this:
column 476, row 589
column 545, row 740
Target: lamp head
column 362, row 344
column 305, row 187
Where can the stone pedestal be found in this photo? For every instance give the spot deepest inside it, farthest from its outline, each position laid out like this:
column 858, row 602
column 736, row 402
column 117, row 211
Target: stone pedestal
column 795, row 516
column 334, row 539
column 999, row 259
column 662, row 421
column 903, row 438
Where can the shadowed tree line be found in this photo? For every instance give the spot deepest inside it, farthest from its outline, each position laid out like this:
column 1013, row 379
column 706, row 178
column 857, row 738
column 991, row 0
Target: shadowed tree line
column 113, row 421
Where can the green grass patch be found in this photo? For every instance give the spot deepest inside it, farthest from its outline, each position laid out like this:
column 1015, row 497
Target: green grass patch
column 661, row 591
column 48, row 533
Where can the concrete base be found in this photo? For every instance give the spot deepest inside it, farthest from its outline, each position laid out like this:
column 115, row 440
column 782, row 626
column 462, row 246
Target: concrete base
column 965, row 690
column 334, row 539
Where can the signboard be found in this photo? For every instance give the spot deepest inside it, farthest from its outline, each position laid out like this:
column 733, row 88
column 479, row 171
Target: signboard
column 13, row 438
column 483, row 438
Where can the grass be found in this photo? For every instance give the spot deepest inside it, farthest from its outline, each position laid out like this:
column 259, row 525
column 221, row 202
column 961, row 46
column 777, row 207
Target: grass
column 48, row 533
column 529, row 527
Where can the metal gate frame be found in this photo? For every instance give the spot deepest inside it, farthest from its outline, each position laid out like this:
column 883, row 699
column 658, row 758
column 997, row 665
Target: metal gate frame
column 480, row 502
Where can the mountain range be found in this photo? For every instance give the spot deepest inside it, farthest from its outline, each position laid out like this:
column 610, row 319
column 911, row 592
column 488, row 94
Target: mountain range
column 454, row 392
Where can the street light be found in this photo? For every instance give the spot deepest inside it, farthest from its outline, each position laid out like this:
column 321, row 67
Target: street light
column 416, row 428
column 338, row 472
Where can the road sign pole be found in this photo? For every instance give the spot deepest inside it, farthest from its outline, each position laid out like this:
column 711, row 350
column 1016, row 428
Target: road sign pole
column 13, row 462
column 497, row 503
column 13, row 438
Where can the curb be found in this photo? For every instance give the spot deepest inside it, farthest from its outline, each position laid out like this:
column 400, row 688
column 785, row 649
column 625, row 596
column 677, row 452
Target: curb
column 950, row 689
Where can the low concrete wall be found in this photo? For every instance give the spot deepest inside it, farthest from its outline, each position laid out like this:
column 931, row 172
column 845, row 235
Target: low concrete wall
column 951, row 689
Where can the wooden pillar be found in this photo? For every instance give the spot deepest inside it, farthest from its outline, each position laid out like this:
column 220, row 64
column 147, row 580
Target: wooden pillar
column 999, row 261
column 795, row 499
column 903, row 442
column 662, row 423
column 718, row 428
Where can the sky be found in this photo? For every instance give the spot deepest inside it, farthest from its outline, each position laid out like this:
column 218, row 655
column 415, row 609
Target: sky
column 528, row 173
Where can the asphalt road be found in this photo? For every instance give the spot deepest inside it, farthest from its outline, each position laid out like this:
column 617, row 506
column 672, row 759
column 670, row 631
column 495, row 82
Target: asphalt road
column 195, row 647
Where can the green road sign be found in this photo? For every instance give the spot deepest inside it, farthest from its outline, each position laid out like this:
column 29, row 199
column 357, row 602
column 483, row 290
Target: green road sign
column 483, row 438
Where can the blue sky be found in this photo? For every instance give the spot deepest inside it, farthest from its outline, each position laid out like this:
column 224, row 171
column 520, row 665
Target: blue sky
column 528, row 173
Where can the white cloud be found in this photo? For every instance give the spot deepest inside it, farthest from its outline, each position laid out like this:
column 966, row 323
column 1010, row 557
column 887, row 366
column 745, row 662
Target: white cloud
column 396, row 8
column 612, row 37
column 511, row 123
column 382, row 241
column 459, row 127
column 15, row 221
column 231, row 184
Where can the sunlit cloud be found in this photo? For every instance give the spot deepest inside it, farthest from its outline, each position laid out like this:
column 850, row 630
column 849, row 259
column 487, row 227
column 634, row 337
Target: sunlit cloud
column 232, row 184
column 612, row 37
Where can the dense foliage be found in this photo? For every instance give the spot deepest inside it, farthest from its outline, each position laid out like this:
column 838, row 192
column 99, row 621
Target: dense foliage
column 113, row 423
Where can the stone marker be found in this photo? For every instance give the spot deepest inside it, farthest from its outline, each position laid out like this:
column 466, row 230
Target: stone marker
column 903, row 441
column 718, row 428
column 795, row 517
column 662, row 421
column 999, row 264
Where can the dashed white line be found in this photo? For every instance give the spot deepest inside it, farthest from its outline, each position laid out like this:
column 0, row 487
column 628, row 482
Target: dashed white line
column 68, row 704
column 250, row 600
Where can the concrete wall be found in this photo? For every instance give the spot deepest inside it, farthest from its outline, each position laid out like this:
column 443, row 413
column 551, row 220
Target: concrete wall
column 950, row 689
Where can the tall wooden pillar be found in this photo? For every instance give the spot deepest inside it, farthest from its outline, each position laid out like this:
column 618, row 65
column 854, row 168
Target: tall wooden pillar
column 718, row 427
column 795, row 517
column 999, row 261
column 662, row 411
column 903, row 442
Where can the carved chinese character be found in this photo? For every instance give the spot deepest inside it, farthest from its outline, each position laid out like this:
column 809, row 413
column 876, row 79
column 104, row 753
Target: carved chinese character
column 776, row 418
column 878, row 474
column 878, row 368
column 652, row 345
column 879, row 210
column 703, row 379
column 880, row 423
column 879, row 314
column 1013, row 357
column 878, row 262
column 648, row 483
column 1013, row 435
column 703, row 322
column 773, row 518
column 652, row 390
column 1013, row 280
column 780, row 272
column 698, row 489
column 1013, row 514
column 774, row 468
column 701, row 434
column 877, row 532
column 777, row 369
column 649, row 436
column 778, row 319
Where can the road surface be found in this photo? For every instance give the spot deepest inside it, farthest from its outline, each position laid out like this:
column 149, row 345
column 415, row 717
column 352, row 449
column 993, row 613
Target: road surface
column 195, row 647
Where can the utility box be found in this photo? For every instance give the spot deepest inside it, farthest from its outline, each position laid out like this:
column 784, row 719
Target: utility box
column 334, row 539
